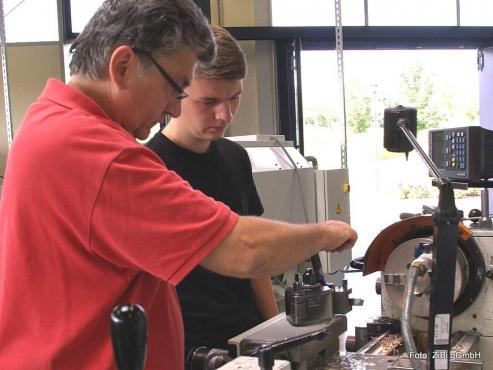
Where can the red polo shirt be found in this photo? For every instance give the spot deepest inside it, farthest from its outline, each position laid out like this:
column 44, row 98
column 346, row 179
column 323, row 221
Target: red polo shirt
column 90, row 219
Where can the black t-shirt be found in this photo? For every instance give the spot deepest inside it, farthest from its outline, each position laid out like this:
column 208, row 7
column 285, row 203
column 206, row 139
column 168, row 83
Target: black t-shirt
column 215, row 308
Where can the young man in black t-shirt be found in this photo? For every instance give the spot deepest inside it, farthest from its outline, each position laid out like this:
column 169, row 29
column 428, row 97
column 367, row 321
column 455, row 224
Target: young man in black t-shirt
column 215, row 307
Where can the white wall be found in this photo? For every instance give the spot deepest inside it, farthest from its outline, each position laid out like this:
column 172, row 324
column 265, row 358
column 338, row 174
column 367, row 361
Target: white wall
column 29, row 67
column 258, row 110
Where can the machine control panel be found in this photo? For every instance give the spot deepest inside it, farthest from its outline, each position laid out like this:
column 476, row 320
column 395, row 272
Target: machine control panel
column 463, row 153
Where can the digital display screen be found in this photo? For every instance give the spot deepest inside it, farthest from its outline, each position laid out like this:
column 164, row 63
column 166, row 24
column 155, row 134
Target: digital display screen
column 438, row 147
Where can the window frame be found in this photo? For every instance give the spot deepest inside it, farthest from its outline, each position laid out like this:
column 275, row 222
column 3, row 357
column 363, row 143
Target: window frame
column 69, row 35
column 286, row 40
column 355, row 38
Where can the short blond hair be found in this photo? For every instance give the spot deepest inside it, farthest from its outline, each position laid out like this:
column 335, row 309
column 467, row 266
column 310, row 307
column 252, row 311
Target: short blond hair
column 230, row 62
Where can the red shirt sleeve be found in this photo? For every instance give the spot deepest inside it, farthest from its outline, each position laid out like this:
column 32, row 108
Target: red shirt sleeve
column 146, row 218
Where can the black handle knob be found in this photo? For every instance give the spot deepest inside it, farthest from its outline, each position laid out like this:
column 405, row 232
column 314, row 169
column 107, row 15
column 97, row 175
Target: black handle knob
column 317, row 268
column 129, row 336
column 475, row 215
column 309, row 277
column 394, row 139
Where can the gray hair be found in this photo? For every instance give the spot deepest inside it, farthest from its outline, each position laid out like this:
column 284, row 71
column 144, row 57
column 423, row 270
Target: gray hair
column 164, row 25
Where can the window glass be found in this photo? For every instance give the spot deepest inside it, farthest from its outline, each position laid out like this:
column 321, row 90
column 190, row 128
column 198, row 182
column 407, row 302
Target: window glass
column 412, row 13
column 476, row 13
column 67, row 57
column 316, row 13
column 31, row 20
column 82, row 11
column 444, row 87
column 322, row 124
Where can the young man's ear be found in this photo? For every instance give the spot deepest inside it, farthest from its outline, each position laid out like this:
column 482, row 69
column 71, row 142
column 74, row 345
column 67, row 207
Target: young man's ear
column 123, row 63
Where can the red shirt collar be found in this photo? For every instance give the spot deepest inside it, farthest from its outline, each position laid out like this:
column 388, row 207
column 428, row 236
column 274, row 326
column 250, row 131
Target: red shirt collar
column 72, row 98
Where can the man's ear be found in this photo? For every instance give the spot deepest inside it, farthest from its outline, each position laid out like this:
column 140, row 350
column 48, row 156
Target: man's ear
column 123, row 63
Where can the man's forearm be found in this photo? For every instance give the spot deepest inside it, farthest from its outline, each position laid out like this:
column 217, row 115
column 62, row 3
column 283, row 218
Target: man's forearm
column 260, row 248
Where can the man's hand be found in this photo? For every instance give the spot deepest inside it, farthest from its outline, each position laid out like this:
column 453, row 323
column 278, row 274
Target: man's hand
column 343, row 236
column 258, row 248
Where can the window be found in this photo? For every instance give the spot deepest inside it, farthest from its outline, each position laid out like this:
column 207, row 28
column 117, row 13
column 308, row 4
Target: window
column 322, row 129
column 380, row 12
column 31, row 20
column 81, row 12
column 476, row 13
column 316, row 13
column 442, row 84
column 412, row 13
column 67, row 57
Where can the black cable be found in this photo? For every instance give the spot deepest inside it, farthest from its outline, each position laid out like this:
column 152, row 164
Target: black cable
column 11, row 10
column 298, row 177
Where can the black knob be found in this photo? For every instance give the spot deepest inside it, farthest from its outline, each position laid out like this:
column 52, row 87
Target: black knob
column 317, row 268
column 129, row 336
column 266, row 358
column 394, row 139
column 309, row 277
column 201, row 358
column 316, row 263
column 378, row 286
column 474, row 215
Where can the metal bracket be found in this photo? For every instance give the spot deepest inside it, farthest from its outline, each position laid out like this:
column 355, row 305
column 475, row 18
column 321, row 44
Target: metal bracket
column 480, row 60
column 340, row 75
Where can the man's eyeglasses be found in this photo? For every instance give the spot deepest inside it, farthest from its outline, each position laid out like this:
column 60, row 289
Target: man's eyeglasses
column 181, row 94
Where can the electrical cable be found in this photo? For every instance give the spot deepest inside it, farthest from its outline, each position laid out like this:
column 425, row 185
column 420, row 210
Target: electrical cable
column 11, row 10
column 315, row 259
column 412, row 276
column 358, row 261
column 297, row 175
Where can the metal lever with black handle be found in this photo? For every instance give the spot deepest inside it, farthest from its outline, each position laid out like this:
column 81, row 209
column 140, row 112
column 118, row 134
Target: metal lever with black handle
column 129, row 336
column 317, row 268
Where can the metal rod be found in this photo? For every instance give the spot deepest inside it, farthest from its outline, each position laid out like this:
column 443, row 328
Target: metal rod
column 485, row 221
column 444, row 250
column 6, row 89
column 485, row 202
column 61, row 37
column 366, row 13
column 457, row 6
column 299, row 95
column 66, row 22
column 402, row 123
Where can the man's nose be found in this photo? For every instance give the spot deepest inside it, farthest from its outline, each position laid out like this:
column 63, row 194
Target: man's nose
column 173, row 108
column 224, row 112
